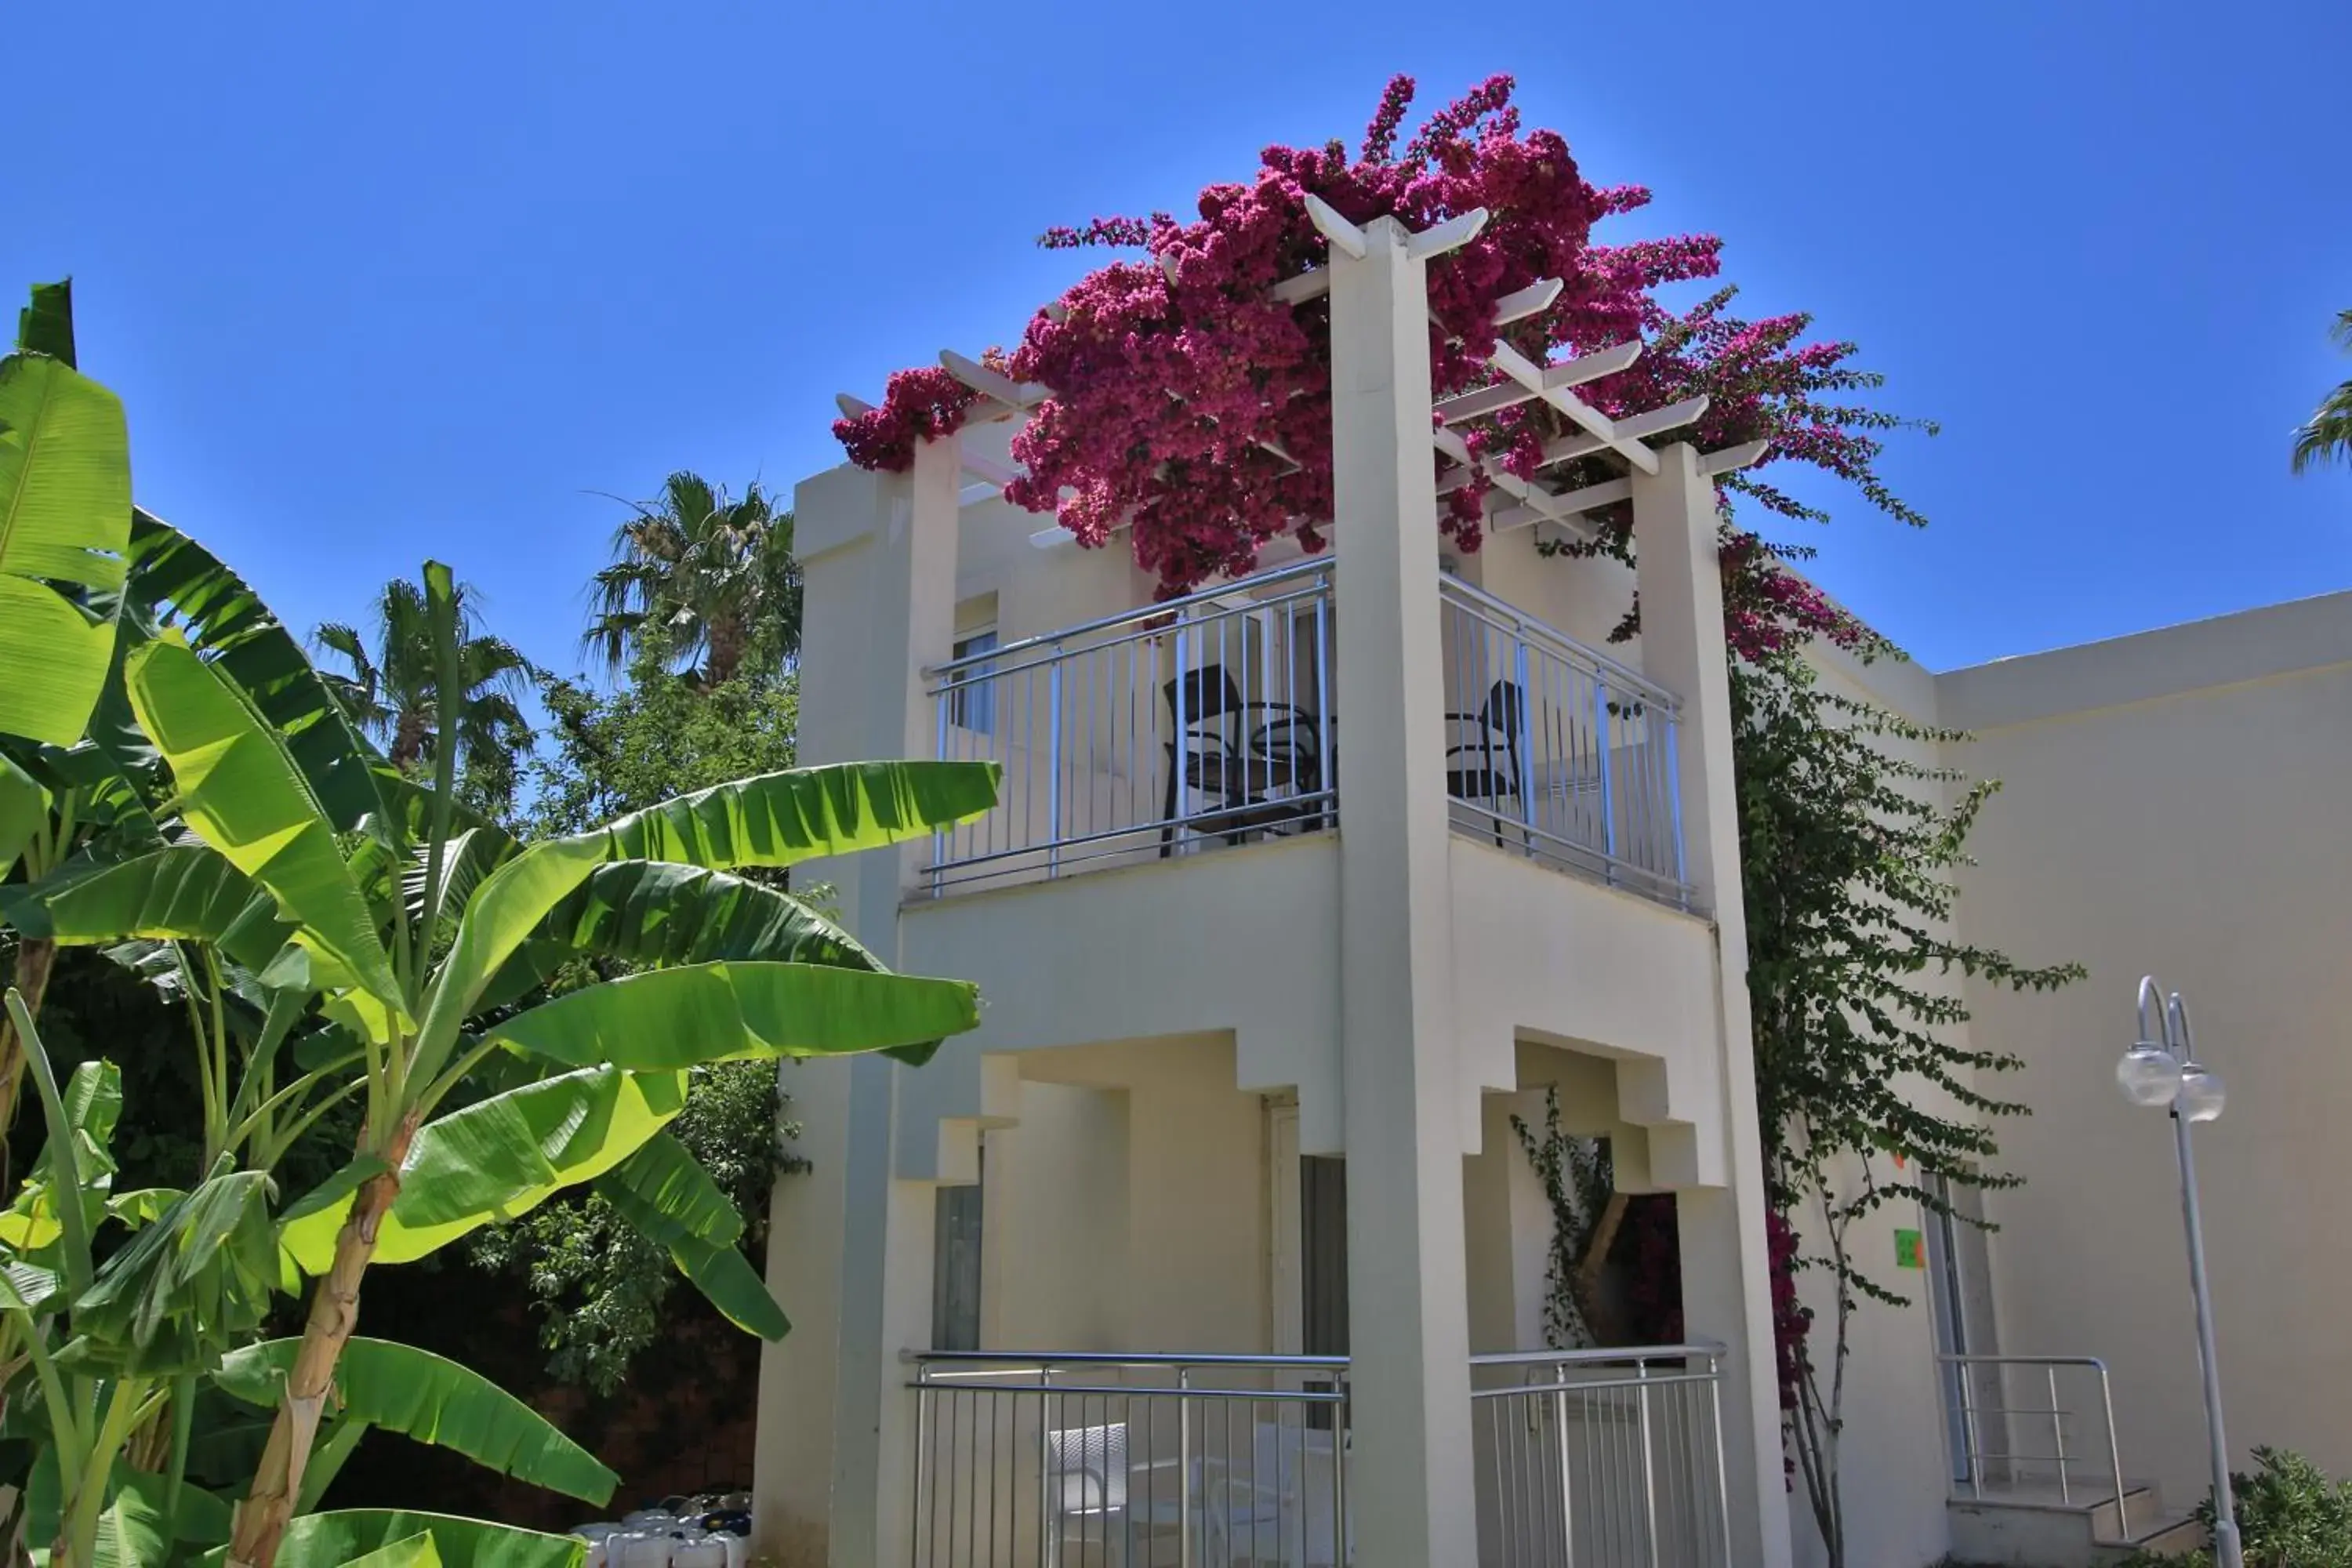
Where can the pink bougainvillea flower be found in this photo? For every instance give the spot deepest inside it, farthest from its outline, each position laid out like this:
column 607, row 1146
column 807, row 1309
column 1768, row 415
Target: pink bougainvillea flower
column 1195, row 411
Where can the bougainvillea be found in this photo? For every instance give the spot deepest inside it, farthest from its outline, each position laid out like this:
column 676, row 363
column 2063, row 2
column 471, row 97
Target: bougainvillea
column 1190, row 406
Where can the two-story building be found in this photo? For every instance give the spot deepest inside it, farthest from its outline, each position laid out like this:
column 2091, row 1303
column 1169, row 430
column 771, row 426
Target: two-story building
column 1216, row 1243
column 1214, row 1237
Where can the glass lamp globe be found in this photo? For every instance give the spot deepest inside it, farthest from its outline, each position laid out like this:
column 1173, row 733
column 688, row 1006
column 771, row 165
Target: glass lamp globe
column 2148, row 1075
column 2202, row 1095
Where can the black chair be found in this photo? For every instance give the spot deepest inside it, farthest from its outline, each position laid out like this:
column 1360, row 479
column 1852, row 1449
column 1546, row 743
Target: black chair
column 1232, row 752
column 1486, row 767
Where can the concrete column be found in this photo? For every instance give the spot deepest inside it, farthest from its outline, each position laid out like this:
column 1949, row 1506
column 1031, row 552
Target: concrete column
column 1726, row 1280
column 1410, row 1486
column 852, row 1242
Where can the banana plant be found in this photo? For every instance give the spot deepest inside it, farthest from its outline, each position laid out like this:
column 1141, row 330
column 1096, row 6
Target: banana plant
column 104, row 1345
column 64, row 523
column 64, row 528
column 603, row 1065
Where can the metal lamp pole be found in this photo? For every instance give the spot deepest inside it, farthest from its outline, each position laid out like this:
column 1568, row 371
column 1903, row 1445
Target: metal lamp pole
column 2161, row 1069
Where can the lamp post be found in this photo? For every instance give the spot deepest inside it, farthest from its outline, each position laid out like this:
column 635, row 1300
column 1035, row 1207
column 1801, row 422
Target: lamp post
column 2161, row 1070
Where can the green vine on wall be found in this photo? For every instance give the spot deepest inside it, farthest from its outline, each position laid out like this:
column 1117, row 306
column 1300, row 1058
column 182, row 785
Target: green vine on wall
column 1577, row 1182
column 1870, row 1100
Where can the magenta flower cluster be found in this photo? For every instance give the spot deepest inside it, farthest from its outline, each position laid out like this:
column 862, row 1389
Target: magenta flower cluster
column 1192, row 408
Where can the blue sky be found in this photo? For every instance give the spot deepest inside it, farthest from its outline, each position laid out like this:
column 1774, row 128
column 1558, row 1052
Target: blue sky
column 379, row 282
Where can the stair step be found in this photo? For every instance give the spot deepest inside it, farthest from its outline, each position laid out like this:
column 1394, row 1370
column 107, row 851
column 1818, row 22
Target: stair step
column 2039, row 1526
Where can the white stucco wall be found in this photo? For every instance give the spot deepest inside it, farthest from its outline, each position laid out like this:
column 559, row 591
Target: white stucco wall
column 2176, row 802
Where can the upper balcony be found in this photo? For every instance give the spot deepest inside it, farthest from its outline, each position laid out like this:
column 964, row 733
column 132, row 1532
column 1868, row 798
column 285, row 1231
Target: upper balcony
column 1210, row 722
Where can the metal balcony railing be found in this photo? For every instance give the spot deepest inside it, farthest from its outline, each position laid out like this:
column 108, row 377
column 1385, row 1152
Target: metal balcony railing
column 1203, row 721
column 1085, row 1459
column 2018, row 1430
column 1557, row 751
column 1601, row 1459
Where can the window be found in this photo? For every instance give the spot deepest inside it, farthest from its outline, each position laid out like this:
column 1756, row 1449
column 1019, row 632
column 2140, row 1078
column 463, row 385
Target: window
column 973, row 704
column 955, row 1266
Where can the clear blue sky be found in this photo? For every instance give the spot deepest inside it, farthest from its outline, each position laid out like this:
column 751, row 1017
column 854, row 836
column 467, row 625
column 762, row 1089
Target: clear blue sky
column 386, row 281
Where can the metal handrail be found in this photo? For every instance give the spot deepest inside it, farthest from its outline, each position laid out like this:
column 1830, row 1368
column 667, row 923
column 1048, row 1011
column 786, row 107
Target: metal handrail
column 1616, row 1451
column 2049, row 1364
column 1035, row 1359
column 1146, row 620
column 1591, row 658
column 1575, row 761
column 975, row 1505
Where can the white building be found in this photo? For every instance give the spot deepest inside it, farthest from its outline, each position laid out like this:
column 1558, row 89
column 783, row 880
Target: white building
column 1213, row 1243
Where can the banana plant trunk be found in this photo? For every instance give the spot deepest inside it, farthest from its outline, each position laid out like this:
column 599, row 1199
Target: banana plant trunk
column 34, row 959
column 269, row 1508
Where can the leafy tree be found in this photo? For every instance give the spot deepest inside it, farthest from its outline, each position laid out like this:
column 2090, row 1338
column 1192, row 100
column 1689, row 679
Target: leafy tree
column 1847, row 853
column 599, row 1285
column 598, row 1282
column 2327, row 435
column 701, row 579
column 653, row 738
column 389, row 689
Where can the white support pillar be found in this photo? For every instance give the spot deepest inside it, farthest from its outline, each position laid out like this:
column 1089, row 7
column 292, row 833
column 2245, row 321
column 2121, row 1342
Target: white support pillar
column 1410, row 1487
column 1727, row 1278
column 851, row 1244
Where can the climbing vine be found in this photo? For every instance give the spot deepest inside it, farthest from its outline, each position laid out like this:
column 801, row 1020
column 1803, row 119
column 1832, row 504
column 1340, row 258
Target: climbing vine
column 1869, row 1104
column 1578, row 1183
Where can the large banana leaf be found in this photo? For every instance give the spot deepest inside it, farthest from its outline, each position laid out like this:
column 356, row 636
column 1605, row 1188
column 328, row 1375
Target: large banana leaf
column 89, row 1107
column 347, row 1535
column 46, row 325
column 193, row 1282
column 670, row 1199
column 414, row 1552
column 495, row 1159
column 131, row 1532
column 773, row 819
column 184, row 892
column 244, row 796
column 24, row 811
column 652, row 914
column 433, row 1400
column 65, row 524
column 728, row 1012
column 172, row 577
column 777, row 819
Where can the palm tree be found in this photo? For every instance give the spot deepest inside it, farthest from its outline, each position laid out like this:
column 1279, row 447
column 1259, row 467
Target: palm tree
column 700, row 579
column 389, row 691
column 2328, row 434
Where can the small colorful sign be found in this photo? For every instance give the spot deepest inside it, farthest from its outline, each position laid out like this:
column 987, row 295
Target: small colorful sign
column 1910, row 1249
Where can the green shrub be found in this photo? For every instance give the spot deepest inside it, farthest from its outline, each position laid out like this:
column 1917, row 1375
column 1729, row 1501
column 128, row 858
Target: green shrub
column 2290, row 1515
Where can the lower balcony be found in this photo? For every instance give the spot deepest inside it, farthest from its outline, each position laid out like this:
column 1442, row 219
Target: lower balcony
column 1210, row 723
column 1603, row 1459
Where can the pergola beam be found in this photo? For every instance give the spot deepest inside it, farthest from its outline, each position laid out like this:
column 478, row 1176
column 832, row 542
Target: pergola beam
column 1633, row 426
column 1532, row 301
column 1452, row 235
column 1560, row 508
column 1017, row 396
column 1558, row 377
column 1745, row 455
column 1527, row 374
column 1344, row 236
column 1611, row 492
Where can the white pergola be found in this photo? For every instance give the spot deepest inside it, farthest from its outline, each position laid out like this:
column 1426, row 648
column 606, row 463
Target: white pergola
column 1532, row 501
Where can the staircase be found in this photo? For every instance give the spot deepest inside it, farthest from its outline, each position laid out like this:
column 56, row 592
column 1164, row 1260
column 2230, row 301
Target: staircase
column 2029, row 1525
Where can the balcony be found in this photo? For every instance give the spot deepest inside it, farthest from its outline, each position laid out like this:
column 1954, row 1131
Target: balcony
column 1208, row 723
column 1601, row 1459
